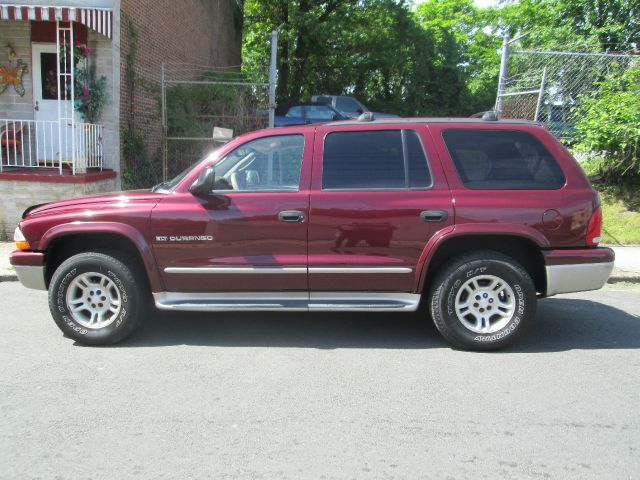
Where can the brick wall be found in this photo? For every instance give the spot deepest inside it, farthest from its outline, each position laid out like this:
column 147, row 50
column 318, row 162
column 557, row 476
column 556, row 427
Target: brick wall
column 201, row 32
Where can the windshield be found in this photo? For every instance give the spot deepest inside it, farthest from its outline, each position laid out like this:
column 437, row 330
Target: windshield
column 171, row 184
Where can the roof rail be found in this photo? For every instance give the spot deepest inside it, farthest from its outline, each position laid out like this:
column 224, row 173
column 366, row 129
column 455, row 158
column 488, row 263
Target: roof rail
column 366, row 117
column 490, row 116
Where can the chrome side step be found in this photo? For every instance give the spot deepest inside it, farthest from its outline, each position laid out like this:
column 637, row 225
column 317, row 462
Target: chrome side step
column 291, row 301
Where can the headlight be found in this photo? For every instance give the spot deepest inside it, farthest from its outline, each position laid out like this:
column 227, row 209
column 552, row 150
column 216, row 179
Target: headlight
column 21, row 241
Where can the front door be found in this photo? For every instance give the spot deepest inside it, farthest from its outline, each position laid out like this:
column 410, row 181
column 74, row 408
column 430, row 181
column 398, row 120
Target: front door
column 378, row 196
column 45, row 103
column 250, row 234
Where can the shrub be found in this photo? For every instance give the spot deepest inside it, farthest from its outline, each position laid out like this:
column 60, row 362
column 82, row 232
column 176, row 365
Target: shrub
column 609, row 125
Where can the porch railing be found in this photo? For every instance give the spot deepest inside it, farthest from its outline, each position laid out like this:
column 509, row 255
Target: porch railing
column 45, row 144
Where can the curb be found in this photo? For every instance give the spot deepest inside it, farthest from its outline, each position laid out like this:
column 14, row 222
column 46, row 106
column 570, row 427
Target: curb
column 624, row 278
column 8, row 277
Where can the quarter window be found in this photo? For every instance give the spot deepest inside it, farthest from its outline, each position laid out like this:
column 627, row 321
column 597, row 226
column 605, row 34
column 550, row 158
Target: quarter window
column 502, row 160
column 265, row 164
column 377, row 159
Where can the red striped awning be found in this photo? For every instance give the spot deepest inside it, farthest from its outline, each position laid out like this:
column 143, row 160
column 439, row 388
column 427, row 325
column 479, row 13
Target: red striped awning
column 98, row 19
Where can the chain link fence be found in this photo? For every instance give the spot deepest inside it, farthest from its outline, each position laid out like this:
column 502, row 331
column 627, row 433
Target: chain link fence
column 197, row 98
column 548, row 86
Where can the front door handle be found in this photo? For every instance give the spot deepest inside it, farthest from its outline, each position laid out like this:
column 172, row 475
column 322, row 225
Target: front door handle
column 433, row 215
column 291, row 216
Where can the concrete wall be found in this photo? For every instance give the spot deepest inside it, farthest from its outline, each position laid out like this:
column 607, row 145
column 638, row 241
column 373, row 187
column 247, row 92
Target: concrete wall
column 17, row 195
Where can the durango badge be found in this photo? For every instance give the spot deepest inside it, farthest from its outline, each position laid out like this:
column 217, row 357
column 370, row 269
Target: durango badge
column 184, row 238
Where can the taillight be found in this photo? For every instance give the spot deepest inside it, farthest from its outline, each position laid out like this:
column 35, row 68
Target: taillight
column 594, row 230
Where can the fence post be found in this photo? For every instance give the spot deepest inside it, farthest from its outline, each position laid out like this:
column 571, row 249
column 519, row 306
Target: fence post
column 502, row 79
column 272, row 78
column 163, row 99
column 543, row 86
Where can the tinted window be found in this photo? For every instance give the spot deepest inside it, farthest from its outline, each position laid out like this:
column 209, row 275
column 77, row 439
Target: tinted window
column 295, row 112
column 268, row 163
column 322, row 99
column 347, row 104
column 320, row 112
column 374, row 159
column 502, row 160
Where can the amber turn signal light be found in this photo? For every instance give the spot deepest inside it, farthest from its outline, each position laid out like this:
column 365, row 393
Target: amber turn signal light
column 21, row 242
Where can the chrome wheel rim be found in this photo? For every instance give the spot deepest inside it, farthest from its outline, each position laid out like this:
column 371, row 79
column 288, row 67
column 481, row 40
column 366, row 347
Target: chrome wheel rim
column 93, row 300
column 485, row 304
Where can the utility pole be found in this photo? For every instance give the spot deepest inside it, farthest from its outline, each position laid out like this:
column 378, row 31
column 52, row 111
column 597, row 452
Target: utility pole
column 502, row 79
column 272, row 78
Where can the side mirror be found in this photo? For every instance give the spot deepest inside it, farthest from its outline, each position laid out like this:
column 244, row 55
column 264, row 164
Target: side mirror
column 203, row 186
column 359, row 110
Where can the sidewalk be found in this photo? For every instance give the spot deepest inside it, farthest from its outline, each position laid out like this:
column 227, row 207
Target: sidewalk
column 626, row 269
column 6, row 271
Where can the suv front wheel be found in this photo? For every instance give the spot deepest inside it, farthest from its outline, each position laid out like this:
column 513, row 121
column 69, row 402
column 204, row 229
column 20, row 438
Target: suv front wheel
column 482, row 301
column 96, row 299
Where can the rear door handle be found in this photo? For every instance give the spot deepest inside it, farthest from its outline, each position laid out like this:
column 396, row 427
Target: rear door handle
column 291, row 216
column 433, row 215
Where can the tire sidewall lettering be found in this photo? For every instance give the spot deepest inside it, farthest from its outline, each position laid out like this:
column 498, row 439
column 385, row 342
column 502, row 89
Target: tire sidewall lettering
column 465, row 274
column 65, row 315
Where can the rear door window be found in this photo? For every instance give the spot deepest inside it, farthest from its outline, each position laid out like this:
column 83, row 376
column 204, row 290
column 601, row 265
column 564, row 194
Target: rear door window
column 502, row 160
column 376, row 159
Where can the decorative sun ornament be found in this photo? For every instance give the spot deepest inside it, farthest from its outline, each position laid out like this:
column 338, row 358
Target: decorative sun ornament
column 12, row 75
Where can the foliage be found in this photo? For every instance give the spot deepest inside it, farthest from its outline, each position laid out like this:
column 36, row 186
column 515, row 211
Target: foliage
column 439, row 58
column 373, row 49
column 91, row 94
column 143, row 169
column 464, row 41
column 192, row 110
column 620, row 213
column 610, row 125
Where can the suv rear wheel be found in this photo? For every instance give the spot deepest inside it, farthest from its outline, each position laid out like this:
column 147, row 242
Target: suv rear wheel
column 482, row 301
column 96, row 299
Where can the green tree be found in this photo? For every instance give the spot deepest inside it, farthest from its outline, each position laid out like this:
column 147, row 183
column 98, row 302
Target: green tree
column 610, row 125
column 372, row 49
column 465, row 40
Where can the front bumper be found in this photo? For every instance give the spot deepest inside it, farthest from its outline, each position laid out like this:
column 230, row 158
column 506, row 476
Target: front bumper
column 577, row 270
column 29, row 267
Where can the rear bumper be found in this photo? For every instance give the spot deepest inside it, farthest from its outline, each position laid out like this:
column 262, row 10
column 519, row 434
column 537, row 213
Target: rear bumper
column 577, row 270
column 29, row 267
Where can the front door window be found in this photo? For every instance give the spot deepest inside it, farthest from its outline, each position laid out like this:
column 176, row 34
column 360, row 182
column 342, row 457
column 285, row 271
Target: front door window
column 266, row 164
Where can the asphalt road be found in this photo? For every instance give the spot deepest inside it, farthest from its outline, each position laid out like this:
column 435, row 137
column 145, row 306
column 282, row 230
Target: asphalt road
column 322, row 396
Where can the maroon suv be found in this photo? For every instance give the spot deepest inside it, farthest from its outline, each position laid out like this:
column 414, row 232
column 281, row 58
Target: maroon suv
column 474, row 218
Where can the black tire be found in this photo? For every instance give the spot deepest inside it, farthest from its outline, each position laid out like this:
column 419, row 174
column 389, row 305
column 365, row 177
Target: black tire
column 124, row 284
column 500, row 324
